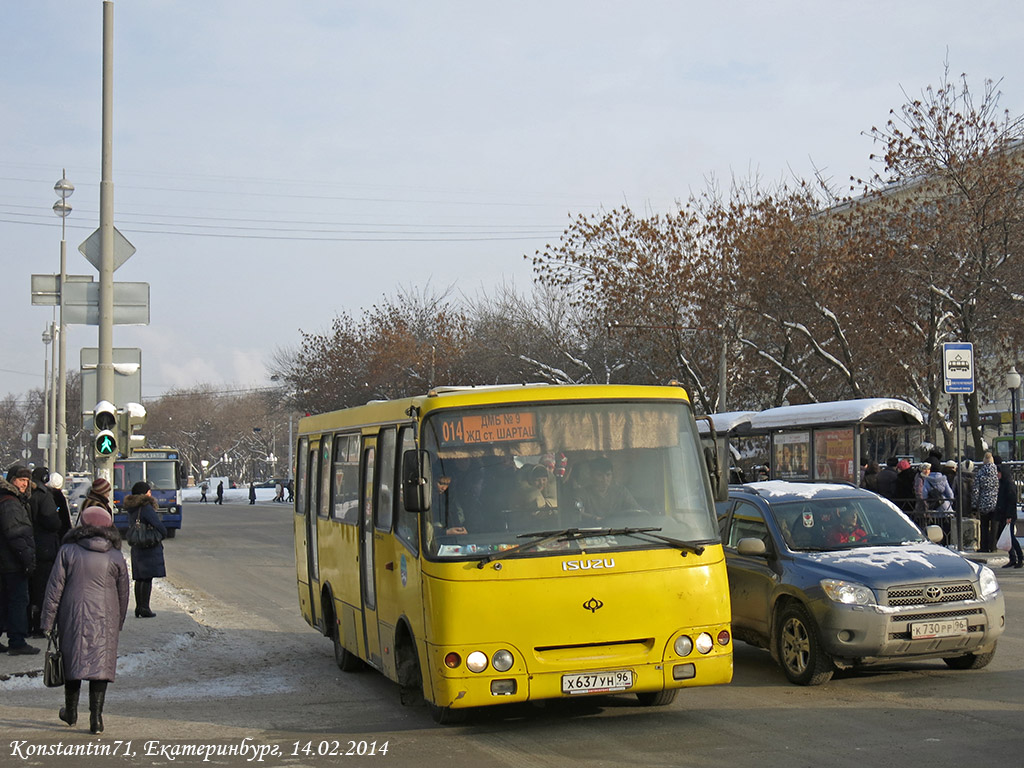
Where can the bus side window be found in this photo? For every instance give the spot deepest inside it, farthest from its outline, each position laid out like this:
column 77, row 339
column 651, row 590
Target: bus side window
column 406, row 523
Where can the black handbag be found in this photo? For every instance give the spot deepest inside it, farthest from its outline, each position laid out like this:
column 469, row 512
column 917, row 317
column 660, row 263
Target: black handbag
column 53, row 662
column 142, row 535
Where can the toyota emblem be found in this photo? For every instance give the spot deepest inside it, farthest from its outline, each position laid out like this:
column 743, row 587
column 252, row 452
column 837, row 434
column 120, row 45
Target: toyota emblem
column 933, row 593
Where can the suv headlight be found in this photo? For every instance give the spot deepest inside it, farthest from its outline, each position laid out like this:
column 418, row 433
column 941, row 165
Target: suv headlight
column 848, row 592
column 987, row 581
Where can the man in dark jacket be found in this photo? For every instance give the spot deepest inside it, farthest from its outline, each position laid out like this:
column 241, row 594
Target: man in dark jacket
column 46, row 527
column 1006, row 509
column 17, row 557
column 887, row 478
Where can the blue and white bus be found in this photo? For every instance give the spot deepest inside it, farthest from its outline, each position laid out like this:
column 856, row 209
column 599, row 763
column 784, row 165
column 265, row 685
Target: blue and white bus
column 161, row 468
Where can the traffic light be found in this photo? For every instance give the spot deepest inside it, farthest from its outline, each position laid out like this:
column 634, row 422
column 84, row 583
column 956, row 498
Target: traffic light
column 104, row 419
column 131, row 416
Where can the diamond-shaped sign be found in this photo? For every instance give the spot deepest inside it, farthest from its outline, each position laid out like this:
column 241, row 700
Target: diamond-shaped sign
column 93, row 245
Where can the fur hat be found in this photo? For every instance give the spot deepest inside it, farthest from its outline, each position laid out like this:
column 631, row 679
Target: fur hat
column 18, row 470
column 97, row 516
column 101, row 486
column 56, row 481
column 141, row 487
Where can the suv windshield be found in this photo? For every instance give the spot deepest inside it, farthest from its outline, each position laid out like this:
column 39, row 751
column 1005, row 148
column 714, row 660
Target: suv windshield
column 508, row 474
column 842, row 523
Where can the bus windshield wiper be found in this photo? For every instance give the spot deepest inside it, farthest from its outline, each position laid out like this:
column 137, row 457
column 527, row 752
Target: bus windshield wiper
column 686, row 546
column 543, row 537
column 574, row 534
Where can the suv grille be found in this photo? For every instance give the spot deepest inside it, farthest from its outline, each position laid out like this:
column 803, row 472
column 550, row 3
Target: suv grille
column 930, row 594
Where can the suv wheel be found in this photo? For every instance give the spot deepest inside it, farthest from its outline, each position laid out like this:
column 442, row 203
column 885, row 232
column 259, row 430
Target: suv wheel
column 800, row 651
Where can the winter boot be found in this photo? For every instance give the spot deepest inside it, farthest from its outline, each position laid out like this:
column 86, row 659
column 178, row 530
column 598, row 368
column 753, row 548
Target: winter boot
column 69, row 712
column 97, row 692
column 143, row 592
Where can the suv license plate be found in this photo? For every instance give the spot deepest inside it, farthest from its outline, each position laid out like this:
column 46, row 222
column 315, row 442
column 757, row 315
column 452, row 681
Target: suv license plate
column 926, row 630
column 597, row 682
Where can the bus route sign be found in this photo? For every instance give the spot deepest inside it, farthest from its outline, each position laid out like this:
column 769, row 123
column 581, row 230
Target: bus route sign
column 958, row 367
column 488, row 427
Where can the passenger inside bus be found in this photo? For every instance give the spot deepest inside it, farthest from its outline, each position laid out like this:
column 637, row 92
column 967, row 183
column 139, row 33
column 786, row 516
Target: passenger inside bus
column 601, row 497
column 534, row 495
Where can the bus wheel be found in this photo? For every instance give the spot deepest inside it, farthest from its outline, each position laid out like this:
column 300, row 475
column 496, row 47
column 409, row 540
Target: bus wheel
column 447, row 715
column 171, row 532
column 347, row 662
column 657, row 698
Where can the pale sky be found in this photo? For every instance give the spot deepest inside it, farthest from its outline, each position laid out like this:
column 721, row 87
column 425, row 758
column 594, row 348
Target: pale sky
column 276, row 163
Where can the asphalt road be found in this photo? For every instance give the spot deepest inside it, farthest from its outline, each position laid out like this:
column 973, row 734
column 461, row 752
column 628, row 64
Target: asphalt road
column 229, row 663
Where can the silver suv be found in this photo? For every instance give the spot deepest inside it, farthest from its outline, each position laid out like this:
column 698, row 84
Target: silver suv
column 832, row 576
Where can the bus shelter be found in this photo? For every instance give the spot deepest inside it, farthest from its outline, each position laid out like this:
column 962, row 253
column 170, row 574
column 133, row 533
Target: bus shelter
column 826, row 441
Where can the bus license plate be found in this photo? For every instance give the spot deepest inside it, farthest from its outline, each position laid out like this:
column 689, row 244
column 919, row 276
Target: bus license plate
column 597, row 682
column 926, row 630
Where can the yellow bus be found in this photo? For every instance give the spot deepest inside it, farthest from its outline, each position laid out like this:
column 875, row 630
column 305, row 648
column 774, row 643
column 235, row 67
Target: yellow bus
column 488, row 545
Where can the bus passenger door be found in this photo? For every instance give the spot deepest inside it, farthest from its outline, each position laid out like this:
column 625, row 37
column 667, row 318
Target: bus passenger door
column 367, row 568
column 306, row 560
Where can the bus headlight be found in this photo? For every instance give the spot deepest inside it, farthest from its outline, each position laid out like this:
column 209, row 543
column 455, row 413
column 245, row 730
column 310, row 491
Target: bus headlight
column 502, row 661
column 705, row 642
column 476, row 661
column 683, row 645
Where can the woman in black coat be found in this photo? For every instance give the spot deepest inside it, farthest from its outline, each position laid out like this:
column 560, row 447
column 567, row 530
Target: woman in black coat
column 148, row 563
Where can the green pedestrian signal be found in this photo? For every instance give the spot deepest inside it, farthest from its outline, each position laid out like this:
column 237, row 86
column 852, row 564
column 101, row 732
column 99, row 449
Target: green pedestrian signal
column 106, row 443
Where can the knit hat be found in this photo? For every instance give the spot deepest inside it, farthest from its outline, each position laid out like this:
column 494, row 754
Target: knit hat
column 97, row 516
column 101, row 486
column 904, row 464
column 140, row 487
column 40, row 475
column 56, row 481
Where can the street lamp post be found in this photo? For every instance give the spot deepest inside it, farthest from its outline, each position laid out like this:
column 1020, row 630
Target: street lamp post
column 1012, row 381
column 47, row 413
column 64, row 189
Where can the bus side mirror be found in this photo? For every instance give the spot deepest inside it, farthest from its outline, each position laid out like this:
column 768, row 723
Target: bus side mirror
column 416, row 481
column 714, row 459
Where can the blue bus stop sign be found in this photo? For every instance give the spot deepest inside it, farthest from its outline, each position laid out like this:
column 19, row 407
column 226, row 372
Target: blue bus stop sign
column 958, row 367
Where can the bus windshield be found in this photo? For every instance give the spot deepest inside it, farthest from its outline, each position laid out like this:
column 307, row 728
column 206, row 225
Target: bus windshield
column 161, row 474
column 507, row 474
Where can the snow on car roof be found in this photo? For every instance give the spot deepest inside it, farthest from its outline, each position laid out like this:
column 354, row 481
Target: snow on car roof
column 788, row 489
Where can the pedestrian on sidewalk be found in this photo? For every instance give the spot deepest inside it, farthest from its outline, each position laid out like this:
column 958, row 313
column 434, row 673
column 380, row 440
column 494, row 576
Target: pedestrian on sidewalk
column 148, row 562
column 86, row 603
column 203, row 488
column 220, row 492
column 984, row 496
column 46, row 528
column 1006, row 510
column 17, row 559
column 252, row 492
column 98, row 496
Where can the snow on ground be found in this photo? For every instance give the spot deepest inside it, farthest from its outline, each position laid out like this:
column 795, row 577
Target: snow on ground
column 238, row 495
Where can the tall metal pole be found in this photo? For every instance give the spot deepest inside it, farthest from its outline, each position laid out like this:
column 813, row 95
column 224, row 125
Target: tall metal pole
column 51, row 428
column 105, row 368
column 47, row 416
column 62, row 384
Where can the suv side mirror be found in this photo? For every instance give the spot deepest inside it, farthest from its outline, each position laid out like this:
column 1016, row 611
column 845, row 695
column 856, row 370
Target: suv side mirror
column 934, row 534
column 751, row 547
column 417, row 481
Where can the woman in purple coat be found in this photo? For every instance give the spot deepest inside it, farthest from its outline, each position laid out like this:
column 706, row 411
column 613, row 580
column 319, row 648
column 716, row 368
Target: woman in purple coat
column 87, row 599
